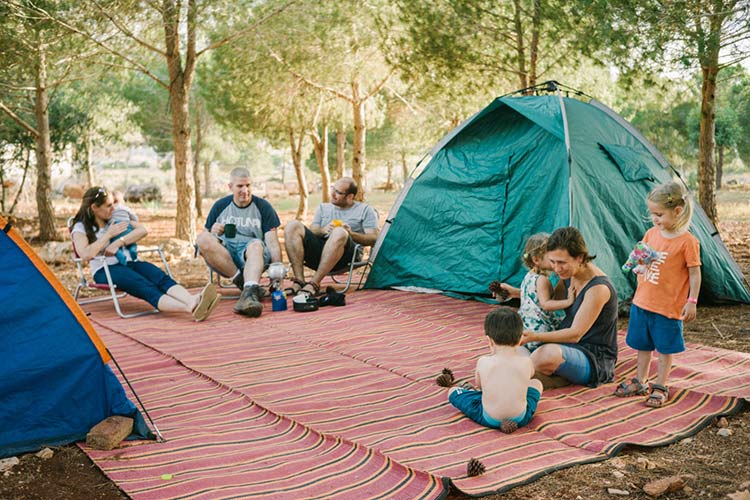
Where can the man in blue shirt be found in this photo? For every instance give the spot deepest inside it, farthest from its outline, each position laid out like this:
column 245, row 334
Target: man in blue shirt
column 244, row 251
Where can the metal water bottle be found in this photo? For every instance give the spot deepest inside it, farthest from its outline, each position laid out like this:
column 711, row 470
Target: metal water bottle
column 278, row 301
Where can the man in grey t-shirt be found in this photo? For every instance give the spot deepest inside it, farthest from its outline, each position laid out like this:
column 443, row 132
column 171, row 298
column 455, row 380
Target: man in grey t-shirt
column 329, row 242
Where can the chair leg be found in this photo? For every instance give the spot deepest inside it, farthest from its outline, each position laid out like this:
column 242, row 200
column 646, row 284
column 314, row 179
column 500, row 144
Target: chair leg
column 116, row 301
column 362, row 276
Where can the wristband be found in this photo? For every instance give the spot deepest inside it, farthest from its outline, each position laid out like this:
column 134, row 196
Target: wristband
column 692, row 300
column 123, row 241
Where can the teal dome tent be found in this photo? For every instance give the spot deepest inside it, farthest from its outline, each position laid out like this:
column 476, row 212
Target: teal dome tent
column 526, row 164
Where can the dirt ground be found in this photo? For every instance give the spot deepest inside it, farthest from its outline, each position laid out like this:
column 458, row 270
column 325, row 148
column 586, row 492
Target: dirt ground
column 712, row 466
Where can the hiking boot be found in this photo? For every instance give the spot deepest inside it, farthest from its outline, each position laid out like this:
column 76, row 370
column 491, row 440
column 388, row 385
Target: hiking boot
column 249, row 302
column 239, row 281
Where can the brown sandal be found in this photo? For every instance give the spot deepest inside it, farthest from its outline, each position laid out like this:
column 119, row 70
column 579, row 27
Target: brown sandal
column 315, row 287
column 297, row 285
column 633, row 388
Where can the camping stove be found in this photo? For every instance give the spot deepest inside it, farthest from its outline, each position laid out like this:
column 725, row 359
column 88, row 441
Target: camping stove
column 276, row 273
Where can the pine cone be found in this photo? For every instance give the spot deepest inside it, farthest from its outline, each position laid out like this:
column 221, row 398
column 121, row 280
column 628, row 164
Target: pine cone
column 507, row 426
column 474, row 468
column 500, row 292
column 445, row 379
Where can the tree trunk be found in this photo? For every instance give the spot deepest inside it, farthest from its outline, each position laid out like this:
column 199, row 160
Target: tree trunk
column 26, row 168
column 180, row 80
column 320, row 146
column 3, row 191
column 404, row 167
column 719, row 166
column 389, row 176
column 296, row 147
column 206, row 178
column 88, row 166
column 534, row 48
column 706, row 169
column 520, row 48
column 183, row 165
column 340, row 150
column 360, row 137
column 47, row 231
column 197, row 163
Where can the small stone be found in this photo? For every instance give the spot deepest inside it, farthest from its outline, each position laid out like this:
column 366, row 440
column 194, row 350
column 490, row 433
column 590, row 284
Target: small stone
column 7, row 464
column 579, row 497
column 45, row 454
column 687, row 489
column 740, row 495
column 722, row 423
column 687, row 441
column 618, row 463
column 645, row 464
column 724, row 432
column 664, row 485
column 745, row 485
column 618, row 474
column 615, row 491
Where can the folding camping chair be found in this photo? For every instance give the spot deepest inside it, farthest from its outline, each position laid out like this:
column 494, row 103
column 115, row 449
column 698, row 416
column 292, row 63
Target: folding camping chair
column 350, row 267
column 110, row 287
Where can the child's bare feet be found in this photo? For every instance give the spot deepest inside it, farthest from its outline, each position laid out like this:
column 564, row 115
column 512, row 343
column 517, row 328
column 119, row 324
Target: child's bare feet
column 507, row 426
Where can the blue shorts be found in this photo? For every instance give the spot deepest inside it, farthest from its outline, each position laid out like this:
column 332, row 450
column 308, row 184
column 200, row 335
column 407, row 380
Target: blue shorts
column 576, row 366
column 648, row 331
column 469, row 401
column 236, row 248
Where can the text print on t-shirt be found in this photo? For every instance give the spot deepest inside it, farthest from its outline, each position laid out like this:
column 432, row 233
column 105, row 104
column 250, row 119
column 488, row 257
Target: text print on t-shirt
column 652, row 275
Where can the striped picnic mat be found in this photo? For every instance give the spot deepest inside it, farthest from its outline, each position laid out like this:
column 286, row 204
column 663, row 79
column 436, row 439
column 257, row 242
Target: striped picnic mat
column 342, row 403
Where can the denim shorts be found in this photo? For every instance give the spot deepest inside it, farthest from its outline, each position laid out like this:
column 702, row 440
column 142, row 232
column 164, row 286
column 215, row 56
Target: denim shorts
column 575, row 367
column 236, row 248
column 648, row 331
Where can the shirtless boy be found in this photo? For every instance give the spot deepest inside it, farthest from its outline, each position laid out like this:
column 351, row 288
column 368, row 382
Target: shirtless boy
column 505, row 396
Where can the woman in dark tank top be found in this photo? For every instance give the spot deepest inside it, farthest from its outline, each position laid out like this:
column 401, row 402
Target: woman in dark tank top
column 584, row 349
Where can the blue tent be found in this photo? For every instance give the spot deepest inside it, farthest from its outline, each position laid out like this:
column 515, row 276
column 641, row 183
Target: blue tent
column 55, row 383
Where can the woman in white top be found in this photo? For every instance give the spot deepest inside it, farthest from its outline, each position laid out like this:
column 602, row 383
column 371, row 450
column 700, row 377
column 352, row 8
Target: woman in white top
column 95, row 234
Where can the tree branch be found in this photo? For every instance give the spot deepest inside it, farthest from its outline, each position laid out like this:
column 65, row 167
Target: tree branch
column 308, row 81
column 380, row 85
column 91, row 37
column 125, row 31
column 19, row 120
column 247, row 30
column 14, row 87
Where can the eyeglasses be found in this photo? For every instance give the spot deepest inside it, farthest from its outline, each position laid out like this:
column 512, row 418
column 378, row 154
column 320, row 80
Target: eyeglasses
column 338, row 192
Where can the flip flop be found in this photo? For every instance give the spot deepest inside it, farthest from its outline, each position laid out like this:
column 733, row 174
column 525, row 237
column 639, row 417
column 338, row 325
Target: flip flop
column 207, row 296
column 213, row 305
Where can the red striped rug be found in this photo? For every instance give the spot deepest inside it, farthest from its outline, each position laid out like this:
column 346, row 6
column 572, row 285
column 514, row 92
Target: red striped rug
column 342, row 403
